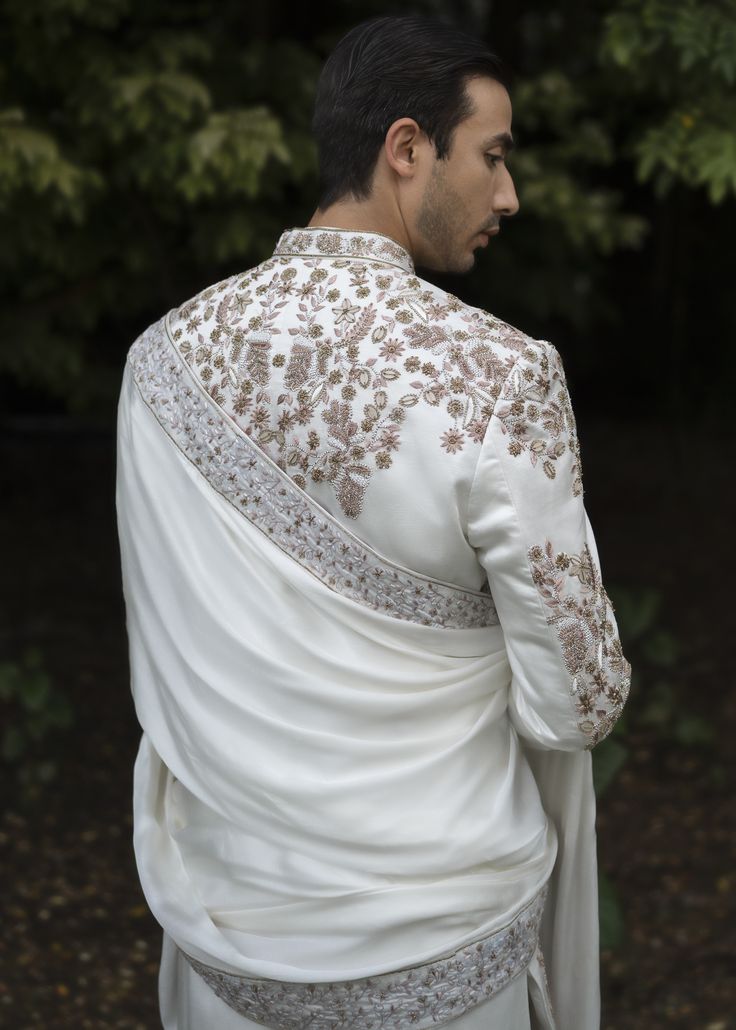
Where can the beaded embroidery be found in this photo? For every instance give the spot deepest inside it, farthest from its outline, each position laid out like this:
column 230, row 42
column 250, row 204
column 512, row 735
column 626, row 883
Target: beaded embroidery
column 591, row 649
column 321, row 241
column 234, row 465
column 322, row 360
column 536, row 414
column 420, row 996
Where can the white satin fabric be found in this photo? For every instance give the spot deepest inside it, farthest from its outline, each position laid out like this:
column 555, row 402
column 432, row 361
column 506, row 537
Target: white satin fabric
column 326, row 792
column 322, row 791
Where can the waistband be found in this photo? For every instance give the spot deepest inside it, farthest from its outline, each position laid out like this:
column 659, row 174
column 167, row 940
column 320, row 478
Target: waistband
column 421, row 996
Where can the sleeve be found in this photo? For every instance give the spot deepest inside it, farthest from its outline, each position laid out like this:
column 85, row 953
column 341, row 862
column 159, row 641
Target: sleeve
column 530, row 530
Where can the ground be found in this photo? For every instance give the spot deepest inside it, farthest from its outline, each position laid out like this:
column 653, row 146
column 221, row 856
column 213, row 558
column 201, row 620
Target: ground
column 78, row 947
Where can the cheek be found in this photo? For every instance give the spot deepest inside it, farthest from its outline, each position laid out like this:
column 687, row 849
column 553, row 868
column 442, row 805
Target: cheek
column 473, row 195
column 487, row 181
column 477, row 187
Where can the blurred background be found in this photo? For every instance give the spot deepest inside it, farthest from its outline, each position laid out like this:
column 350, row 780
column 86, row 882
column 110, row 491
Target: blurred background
column 150, row 149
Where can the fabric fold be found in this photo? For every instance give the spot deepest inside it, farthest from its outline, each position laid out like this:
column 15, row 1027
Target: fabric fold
column 569, row 935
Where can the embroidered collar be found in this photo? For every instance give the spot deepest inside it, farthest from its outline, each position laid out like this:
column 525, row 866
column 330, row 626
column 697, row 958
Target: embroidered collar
column 326, row 241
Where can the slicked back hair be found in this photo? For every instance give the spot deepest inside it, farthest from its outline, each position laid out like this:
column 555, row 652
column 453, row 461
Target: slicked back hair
column 407, row 66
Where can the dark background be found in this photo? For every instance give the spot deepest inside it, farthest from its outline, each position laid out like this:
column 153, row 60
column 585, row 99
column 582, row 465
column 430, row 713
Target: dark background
column 148, row 150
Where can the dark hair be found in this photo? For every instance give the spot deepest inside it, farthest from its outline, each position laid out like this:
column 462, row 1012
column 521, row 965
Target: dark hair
column 407, row 66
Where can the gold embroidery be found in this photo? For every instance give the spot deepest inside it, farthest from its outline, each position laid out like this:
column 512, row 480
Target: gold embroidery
column 536, row 414
column 340, row 328
column 582, row 616
column 340, row 242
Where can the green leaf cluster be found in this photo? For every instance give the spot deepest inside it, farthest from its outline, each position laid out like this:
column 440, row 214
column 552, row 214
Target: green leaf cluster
column 143, row 150
column 553, row 171
column 681, row 54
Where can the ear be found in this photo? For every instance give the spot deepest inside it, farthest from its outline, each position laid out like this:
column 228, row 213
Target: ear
column 401, row 146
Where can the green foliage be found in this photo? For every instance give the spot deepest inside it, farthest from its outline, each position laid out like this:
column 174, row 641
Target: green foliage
column 33, row 158
column 32, row 709
column 623, row 115
column 147, row 150
column 230, row 152
column 551, row 174
column 636, row 611
column 141, row 149
column 682, row 54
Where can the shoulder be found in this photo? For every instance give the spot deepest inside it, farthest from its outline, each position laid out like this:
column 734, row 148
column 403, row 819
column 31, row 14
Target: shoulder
column 475, row 342
column 474, row 329
column 213, row 305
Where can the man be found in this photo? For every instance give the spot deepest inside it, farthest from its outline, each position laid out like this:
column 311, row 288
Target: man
column 370, row 646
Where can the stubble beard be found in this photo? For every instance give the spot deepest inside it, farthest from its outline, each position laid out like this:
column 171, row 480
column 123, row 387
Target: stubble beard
column 443, row 221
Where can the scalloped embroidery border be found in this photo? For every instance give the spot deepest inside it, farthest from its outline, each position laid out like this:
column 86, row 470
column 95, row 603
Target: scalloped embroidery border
column 421, row 996
column 235, row 466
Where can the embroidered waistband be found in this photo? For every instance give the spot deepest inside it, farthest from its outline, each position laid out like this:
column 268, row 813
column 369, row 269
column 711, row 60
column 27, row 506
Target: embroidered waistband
column 418, row 996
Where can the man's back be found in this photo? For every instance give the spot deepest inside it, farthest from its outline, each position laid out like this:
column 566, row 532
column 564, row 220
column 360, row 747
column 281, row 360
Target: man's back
column 313, row 757
column 376, row 776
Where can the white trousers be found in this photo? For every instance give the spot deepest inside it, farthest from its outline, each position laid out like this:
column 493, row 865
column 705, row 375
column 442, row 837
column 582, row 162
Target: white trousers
column 187, row 1003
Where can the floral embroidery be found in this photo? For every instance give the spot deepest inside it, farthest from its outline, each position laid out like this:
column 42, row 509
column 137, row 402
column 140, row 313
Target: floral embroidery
column 346, row 312
column 591, row 649
column 264, row 494
column 342, row 243
column 536, row 413
column 321, row 360
column 421, row 996
column 453, row 441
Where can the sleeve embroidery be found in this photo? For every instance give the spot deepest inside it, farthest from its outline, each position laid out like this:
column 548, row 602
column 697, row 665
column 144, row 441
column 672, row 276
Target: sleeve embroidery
column 541, row 402
column 582, row 615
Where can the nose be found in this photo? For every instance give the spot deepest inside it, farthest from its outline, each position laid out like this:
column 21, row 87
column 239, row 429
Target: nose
column 505, row 201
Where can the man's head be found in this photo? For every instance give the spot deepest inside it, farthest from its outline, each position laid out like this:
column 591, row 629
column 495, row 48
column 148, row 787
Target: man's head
column 413, row 122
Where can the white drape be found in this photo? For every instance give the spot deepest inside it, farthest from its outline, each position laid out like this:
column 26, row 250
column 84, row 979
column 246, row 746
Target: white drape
column 325, row 792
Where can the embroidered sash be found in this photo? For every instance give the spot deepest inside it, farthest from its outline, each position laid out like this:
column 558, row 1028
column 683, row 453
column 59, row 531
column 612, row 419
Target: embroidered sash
column 245, row 476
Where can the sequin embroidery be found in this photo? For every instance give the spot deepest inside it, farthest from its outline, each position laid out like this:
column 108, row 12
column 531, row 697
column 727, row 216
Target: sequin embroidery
column 582, row 617
column 536, row 414
column 322, row 359
column 427, row 995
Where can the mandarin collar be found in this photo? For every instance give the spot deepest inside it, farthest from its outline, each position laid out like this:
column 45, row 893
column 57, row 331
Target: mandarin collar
column 328, row 241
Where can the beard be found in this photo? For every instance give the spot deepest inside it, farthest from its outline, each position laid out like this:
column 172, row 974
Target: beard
column 443, row 221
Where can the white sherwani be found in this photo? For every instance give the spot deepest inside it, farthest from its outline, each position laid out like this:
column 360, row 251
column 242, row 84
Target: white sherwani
column 370, row 653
